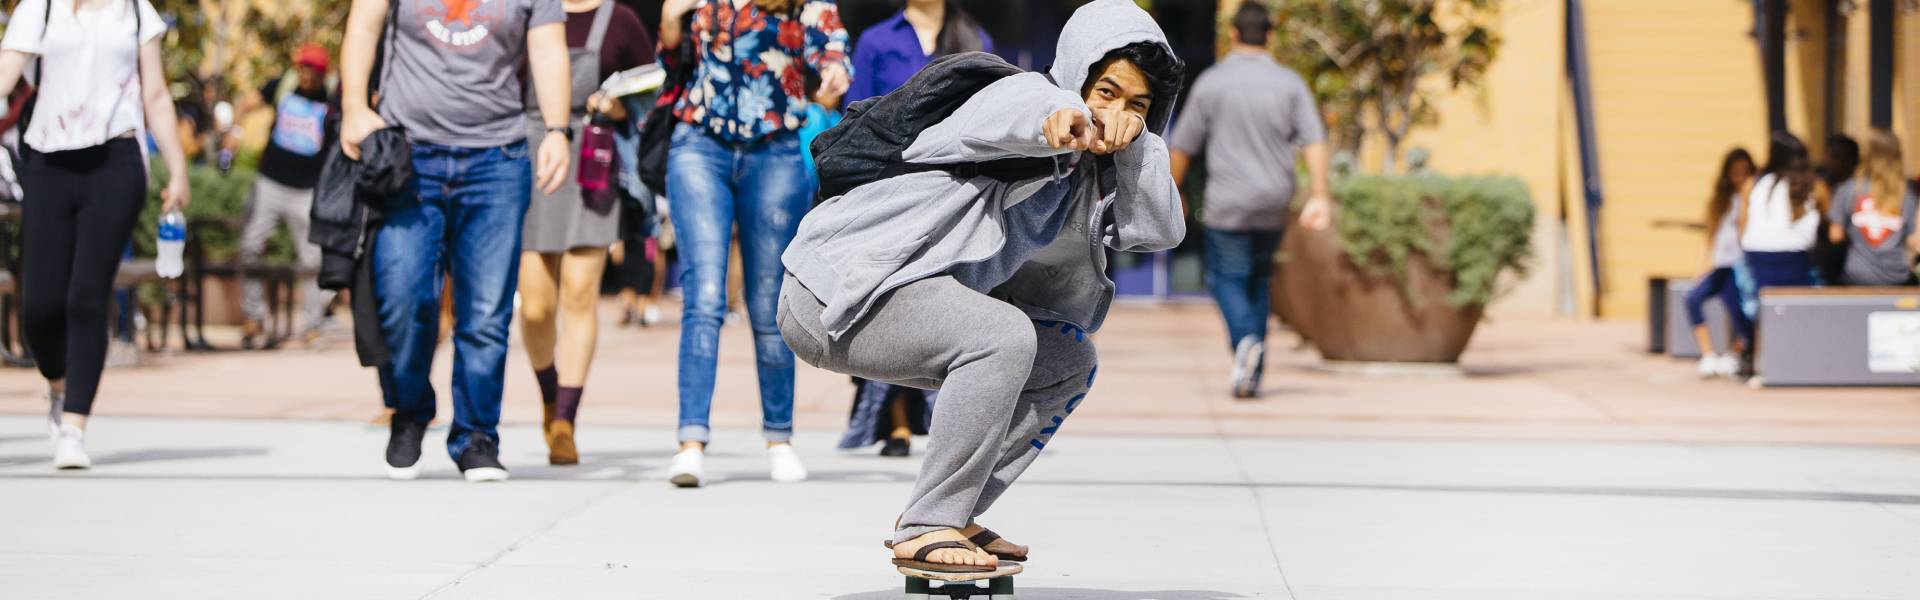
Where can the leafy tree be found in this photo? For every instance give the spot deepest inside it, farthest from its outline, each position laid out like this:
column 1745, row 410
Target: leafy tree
column 1366, row 60
column 245, row 42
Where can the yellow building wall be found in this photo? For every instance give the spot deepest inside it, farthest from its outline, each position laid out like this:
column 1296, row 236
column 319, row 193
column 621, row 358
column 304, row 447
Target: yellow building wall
column 1510, row 127
column 1906, row 90
column 1675, row 85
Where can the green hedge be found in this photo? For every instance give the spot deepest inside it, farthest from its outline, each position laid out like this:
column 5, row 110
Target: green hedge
column 1383, row 218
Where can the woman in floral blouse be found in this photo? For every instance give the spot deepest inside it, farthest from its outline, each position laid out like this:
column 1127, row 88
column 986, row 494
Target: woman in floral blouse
column 735, row 162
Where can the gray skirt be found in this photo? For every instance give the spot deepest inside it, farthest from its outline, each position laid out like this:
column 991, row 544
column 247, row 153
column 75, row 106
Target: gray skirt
column 562, row 221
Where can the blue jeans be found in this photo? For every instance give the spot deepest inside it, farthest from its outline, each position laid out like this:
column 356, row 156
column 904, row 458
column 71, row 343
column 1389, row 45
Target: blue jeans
column 1776, row 269
column 714, row 186
column 1718, row 283
column 462, row 217
column 1240, row 275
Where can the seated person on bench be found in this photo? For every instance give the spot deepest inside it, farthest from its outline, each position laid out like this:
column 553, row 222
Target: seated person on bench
column 987, row 289
column 1873, row 216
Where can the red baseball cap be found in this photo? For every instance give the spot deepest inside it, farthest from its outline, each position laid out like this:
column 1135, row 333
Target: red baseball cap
column 312, row 55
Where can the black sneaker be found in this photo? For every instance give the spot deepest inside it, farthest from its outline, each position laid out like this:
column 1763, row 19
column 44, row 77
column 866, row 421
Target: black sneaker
column 481, row 460
column 897, row 447
column 403, row 448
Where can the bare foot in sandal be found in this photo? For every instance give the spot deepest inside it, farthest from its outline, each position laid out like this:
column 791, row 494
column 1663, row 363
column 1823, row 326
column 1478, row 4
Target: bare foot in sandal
column 998, row 546
column 943, row 550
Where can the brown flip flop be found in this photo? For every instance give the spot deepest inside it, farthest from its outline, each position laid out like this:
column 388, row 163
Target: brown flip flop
column 980, row 540
column 987, row 536
column 919, row 560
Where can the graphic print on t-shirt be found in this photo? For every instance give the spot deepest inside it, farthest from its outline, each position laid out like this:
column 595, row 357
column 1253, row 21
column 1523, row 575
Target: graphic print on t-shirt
column 1874, row 226
column 299, row 125
column 461, row 24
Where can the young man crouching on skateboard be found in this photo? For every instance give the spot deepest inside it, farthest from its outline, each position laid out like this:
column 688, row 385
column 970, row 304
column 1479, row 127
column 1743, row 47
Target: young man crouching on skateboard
column 987, row 289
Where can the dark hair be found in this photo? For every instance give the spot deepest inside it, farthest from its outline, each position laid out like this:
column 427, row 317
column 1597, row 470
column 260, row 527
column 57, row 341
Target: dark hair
column 1787, row 161
column 958, row 32
column 1165, row 72
column 1251, row 23
column 1843, row 159
column 1724, row 187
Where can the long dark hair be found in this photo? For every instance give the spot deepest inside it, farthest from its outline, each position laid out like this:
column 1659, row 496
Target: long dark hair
column 958, row 32
column 1724, row 187
column 1788, row 163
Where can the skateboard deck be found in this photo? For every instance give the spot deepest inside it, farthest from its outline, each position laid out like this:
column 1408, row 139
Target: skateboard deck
column 999, row 583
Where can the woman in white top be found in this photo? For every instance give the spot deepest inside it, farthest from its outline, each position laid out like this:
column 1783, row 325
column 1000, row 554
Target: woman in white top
column 1723, row 242
column 1782, row 217
column 83, row 168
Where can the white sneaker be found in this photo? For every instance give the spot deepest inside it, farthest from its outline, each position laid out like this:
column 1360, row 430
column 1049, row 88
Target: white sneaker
column 70, row 450
column 786, row 467
column 1730, row 365
column 1246, row 364
column 687, row 470
column 650, row 316
column 1712, row 365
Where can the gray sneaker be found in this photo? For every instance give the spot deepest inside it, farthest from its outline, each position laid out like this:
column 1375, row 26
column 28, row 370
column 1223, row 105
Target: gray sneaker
column 55, row 402
column 1247, row 357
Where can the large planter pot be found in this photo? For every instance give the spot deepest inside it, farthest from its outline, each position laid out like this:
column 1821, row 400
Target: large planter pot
column 1350, row 314
column 1405, row 275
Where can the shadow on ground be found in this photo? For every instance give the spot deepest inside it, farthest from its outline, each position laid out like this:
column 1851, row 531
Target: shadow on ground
column 1054, row 593
column 128, row 457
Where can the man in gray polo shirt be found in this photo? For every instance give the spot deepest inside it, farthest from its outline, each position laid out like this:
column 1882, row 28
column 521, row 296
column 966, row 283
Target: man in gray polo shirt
column 1250, row 117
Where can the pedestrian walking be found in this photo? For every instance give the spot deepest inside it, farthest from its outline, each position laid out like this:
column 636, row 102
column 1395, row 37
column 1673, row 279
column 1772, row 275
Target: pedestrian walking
column 305, row 122
column 565, row 239
column 981, row 270
column 1251, row 118
column 886, row 56
column 735, row 161
column 1873, row 217
column 102, row 88
column 1724, row 206
column 452, row 79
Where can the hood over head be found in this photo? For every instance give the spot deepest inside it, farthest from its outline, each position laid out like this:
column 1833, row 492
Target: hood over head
column 1101, row 27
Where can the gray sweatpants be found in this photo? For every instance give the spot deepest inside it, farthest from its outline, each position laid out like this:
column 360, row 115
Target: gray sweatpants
column 1006, row 384
column 271, row 204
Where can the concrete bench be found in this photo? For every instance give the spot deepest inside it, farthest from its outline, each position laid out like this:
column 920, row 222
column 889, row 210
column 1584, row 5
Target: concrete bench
column 1841, row 336
column 1669, row 332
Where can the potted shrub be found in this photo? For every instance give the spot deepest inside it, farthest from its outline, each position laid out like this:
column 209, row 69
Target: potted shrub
column 1408, row 268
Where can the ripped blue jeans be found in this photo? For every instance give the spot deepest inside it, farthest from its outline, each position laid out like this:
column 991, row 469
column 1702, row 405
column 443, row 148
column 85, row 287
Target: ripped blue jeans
column 761, row 189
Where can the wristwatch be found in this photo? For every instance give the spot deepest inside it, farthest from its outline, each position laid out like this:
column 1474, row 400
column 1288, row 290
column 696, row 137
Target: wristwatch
column 566, row 131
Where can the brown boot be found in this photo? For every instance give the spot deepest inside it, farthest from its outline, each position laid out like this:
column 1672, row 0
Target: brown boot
column 560, row 449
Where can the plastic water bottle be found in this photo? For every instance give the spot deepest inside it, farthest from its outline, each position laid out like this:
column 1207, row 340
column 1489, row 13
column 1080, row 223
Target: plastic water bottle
column 596, row 155
column 172, row 242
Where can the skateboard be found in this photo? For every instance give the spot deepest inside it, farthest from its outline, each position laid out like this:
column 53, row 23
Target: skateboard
column 999, row 583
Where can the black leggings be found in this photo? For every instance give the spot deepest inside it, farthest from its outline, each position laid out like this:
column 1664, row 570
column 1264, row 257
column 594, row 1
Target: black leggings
column 80, row 209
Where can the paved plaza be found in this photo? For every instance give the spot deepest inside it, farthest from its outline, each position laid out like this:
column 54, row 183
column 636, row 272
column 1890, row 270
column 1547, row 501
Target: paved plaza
column 1562, row 464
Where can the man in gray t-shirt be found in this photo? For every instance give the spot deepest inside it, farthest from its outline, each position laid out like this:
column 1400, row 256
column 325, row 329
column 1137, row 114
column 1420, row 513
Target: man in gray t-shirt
column 1250, row 117
column 453, row 84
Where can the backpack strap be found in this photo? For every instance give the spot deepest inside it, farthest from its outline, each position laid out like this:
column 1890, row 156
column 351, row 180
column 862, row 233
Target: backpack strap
column 601, row 17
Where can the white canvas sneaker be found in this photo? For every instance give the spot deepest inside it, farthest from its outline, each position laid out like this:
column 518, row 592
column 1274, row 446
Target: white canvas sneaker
column 687, row 470
column 785, row 467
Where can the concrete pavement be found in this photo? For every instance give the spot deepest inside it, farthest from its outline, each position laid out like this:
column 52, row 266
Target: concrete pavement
column 243, row 508
column 1163, row 371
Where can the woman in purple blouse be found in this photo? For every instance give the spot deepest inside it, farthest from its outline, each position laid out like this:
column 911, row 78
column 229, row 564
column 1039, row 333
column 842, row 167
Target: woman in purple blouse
column 885, row 55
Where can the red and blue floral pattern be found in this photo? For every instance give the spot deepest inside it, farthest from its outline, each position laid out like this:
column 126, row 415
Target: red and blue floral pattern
column 751, row 80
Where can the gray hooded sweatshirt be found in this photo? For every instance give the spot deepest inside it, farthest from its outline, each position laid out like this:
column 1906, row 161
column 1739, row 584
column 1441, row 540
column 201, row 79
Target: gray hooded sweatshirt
column 877, row 237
